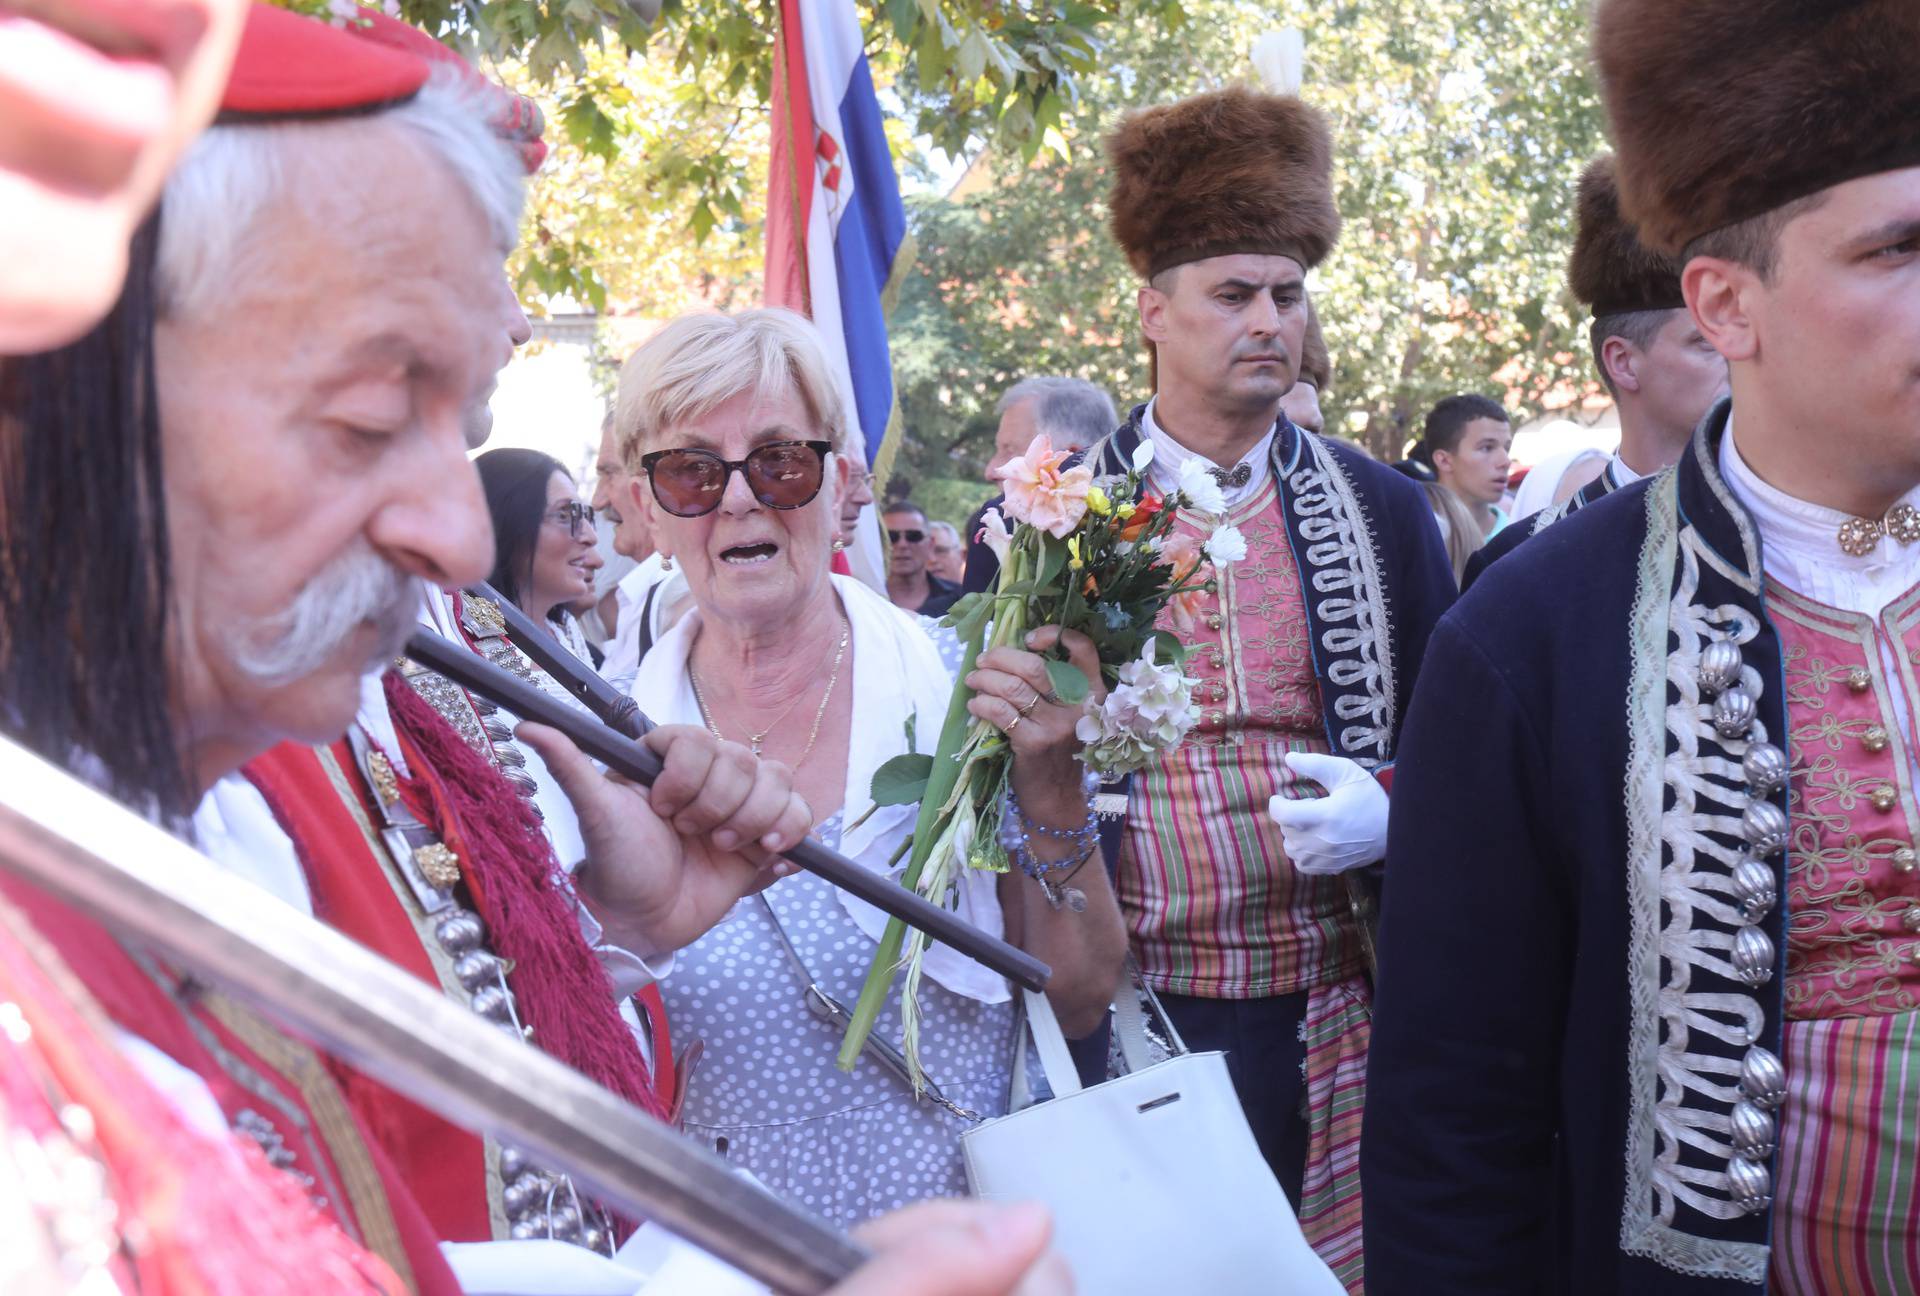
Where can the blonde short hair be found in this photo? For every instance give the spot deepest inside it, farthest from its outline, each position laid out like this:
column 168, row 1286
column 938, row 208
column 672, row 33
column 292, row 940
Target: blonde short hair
column 698, row 362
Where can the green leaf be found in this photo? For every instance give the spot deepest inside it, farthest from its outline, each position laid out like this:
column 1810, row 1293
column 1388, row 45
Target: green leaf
column 1068, row 682
column 968, row 616
column 1053, row 557
column 902, row 780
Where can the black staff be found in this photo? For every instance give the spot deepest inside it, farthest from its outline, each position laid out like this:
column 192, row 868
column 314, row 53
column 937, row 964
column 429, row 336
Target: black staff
column 625, row 756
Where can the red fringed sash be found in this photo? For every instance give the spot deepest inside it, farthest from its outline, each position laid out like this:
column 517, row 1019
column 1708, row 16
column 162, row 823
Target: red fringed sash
column 558, row 984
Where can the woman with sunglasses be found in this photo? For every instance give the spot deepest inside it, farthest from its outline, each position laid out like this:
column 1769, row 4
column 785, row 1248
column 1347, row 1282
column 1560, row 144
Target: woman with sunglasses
column 738, row 427
column 545, row 549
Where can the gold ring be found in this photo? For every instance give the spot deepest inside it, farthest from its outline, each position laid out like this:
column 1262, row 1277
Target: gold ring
column 1018, row 716
column 1028, row 708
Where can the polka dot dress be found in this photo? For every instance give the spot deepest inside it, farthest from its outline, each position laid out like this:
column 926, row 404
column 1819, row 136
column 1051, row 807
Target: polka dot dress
column 946, row 642
column 767, row 1095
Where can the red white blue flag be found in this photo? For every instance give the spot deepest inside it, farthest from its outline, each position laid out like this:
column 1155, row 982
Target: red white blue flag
column 835, row 227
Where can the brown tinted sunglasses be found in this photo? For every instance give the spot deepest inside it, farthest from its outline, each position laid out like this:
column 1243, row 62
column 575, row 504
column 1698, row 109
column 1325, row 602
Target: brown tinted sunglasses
column 781, row 474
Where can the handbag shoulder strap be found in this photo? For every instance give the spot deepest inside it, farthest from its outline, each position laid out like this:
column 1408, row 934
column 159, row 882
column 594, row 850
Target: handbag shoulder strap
column 1050, row 1042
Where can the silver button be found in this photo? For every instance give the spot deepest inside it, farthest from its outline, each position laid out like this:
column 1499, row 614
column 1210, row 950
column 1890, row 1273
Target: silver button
column 1752, row 956
column 1733, row 713
column 1719, row 667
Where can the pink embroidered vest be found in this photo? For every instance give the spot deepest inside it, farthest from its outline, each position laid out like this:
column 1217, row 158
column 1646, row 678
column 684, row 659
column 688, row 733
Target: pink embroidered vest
column 1214, row 907
column 1853, row 895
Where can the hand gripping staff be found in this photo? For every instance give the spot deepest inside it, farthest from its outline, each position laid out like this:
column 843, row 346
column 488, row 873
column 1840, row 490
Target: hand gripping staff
column 625, row 756
column 88, row 850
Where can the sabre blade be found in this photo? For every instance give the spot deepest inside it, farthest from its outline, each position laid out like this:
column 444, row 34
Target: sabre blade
column 82, row 847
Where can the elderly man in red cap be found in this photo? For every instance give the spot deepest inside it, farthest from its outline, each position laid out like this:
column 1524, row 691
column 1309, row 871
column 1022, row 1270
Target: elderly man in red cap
column 1650, row 961
column 307, row 436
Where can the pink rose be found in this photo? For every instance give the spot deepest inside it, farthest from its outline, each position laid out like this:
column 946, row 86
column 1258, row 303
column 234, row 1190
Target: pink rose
column 1040, row 494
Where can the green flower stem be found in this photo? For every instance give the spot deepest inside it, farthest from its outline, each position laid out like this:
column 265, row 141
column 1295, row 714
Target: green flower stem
column 1008, row 623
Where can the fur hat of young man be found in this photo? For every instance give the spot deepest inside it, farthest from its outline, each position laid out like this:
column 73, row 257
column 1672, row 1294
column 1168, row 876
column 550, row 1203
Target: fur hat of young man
column 1611, row 271
column 1724, row 110
column 1231, row 171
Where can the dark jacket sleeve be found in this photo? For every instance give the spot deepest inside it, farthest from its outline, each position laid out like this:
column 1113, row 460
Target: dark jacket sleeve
column 1422, row 584
column 1497, row 548
column 1458, row 1150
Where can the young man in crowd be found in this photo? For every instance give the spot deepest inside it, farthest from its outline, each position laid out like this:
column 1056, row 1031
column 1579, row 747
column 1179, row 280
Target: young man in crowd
column 1657, row 365
column 1468, row 440
column 1651, row 952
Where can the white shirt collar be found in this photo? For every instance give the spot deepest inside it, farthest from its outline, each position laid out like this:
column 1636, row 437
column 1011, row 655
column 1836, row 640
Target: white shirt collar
column 1619, row 474
column 1169, row 454
column 1800, row 546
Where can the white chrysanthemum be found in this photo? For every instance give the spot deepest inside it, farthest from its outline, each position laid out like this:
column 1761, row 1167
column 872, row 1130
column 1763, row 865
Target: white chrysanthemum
column 1226, row 545
column 1202, row 492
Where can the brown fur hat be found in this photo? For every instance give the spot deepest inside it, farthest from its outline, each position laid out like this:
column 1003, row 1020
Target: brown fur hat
column 1222, row 173
column 1723, row 110
column 1316, row 366
column 1611, row 271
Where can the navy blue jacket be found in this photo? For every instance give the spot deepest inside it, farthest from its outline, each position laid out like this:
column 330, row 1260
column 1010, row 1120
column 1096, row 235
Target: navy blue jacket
column 1510, row 539
column 1560, row 769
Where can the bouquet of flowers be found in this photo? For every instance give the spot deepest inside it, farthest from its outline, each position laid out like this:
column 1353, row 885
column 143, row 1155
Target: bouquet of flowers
column 1095, row 555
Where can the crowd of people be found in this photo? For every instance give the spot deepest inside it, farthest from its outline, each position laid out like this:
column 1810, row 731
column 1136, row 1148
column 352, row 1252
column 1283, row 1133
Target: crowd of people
column 1546, row 875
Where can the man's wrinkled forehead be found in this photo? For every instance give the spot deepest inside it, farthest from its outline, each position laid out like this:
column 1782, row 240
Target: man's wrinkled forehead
column 1252, row 271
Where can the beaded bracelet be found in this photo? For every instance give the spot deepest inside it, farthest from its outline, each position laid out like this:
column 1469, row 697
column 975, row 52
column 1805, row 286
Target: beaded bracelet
column 1016, row 835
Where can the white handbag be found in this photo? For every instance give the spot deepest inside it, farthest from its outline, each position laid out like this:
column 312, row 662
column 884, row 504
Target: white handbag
column 1154, row 1179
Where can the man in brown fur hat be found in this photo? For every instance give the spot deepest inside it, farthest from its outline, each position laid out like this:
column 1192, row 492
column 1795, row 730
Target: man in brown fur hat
column 1658, row 366
column 1647, row 1017
column 1232, row 857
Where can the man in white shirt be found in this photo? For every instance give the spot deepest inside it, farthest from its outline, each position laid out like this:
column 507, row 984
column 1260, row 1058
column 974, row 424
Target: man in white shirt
column 647, row 597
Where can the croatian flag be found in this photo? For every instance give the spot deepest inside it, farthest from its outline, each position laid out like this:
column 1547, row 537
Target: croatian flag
column 836, row 232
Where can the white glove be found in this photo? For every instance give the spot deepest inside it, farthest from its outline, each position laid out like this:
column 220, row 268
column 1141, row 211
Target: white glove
column 1345, row 829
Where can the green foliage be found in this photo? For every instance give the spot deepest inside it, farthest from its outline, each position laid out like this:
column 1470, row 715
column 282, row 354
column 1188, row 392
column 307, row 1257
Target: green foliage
column 965, row 71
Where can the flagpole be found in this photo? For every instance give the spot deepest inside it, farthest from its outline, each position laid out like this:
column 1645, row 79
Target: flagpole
column 152, row 889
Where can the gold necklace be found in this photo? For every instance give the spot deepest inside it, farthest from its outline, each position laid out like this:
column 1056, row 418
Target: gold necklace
column 755, row 741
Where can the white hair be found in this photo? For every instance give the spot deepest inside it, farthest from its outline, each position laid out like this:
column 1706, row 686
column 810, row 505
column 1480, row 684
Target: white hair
column 1071, row 411
column 231, row 177
column 701, row 361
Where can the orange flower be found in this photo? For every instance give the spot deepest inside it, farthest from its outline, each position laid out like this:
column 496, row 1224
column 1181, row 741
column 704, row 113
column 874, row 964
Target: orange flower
column 1143, row 513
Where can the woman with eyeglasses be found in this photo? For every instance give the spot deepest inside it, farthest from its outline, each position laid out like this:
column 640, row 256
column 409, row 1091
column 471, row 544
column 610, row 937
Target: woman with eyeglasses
column 545, row 549
column 738, row 427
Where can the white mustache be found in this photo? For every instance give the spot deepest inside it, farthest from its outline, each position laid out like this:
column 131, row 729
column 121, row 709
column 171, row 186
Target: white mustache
column 359, row 588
